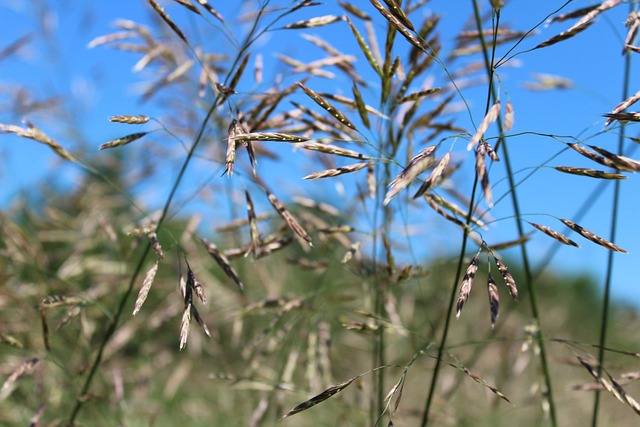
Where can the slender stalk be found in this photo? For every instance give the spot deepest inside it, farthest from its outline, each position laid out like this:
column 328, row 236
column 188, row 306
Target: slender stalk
column 447, row 322
column 604, row 322
column 516, row 207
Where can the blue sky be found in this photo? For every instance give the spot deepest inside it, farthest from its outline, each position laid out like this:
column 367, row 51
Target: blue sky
column 93, row 84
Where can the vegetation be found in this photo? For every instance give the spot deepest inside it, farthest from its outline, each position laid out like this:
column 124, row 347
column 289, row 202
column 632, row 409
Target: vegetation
column 237, row 296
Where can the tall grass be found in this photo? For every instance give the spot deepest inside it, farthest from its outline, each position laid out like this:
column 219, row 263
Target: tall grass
column 315, row 299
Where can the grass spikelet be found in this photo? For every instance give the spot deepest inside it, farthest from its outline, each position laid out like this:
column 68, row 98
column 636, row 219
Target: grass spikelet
column 591, row 236
column 130, row 120
column 55, row 301
column 71, row 314
column 146, row 286
column 397, row 11
column 481, row 381
column 467, row 283
column 321, row 207
column 605, row 5
column 633, row 23
column 230, row 156
column 155, row 244
column 25, row 368
column 509, row 117
column 118, row 142
column 564, row 35
column 490, row 117
column 623, row 106
column 371, row 180
column 33, row 132
column 222, row 262
column 398, row 25
column 11, row 340
column 555, row 235
column 168, row 20
column 289, row 219
column 546, row 82
column 593, row 173
column 318, row 21
column 623, row 117
column 571, row 15
column 326, row 394
column 360, row 105
column 417, row 95
column 494, row 300
column 194, row 284
column 354, row 10
column 620, row 162
column 199, row 321
column 187, row 4
column 444, row 214
column 211, row 10
column 481, row 170
column 185, row 325
column 364, row 47
column 418, row 164
column 332, row 149
column 108, row 38
column 612, row 387
column 337, row 171
column 269, row 136
column 592, row 156
column 253, row 227
column 354, row 250
column 508, row 278
column 451, row 206
column 257, row 68
column 326, row 105
column 435, row 175
column 45, row 328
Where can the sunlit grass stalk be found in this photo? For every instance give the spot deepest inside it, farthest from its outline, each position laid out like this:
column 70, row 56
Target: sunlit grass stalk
column 604, row 321
column 115, row 320
column 516, row 207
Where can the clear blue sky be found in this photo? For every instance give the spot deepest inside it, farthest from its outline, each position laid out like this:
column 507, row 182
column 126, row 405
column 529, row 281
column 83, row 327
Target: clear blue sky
column 94, row 84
